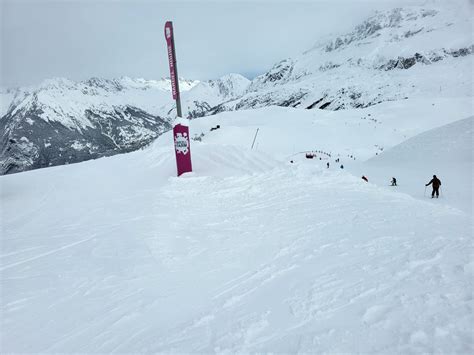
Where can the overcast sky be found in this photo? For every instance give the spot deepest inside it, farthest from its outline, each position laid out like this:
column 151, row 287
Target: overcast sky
column 111, row 38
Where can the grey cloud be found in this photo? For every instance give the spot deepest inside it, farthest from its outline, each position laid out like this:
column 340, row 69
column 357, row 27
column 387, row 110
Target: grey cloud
column 81, row 39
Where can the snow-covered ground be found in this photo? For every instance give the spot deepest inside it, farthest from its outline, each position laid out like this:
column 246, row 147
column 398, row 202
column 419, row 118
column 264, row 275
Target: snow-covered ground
column 445, row 151
column 249, row 252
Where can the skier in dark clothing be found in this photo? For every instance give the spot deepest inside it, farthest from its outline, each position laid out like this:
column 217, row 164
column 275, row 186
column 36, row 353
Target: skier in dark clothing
column 436, row 184
column 394, row 182
column 365, row 179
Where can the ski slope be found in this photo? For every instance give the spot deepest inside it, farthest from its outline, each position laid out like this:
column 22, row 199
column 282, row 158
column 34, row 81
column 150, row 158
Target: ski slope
column 445, row 151
column 249, row 253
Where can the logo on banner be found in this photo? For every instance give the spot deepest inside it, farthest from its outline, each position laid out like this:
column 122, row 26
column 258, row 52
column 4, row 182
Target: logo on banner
column 181, row 143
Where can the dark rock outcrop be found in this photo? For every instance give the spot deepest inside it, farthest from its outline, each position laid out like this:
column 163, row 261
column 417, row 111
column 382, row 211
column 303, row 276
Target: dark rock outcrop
column 28, row 141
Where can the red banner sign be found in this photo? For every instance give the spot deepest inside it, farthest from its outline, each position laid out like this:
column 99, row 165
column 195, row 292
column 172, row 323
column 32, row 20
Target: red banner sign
column 182, row 146
column 182, row 149
column 171, row 57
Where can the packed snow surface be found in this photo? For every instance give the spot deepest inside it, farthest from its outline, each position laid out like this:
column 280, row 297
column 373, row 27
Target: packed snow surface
column 250, row 252
column 445, row 151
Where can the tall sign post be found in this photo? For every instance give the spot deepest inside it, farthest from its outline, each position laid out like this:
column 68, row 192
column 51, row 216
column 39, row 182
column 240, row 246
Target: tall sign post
column 182, row 146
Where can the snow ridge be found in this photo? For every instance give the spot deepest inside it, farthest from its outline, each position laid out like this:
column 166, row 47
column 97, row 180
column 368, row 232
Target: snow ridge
column 366, row 66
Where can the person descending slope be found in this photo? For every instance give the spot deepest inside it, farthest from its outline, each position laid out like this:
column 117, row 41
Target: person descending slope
column 436, row 184
column 365, row 178
column 394, row 182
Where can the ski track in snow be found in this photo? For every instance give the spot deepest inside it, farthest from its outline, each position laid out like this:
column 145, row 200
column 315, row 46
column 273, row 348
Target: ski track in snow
column 265, row 257
column 8, row 266
column 250, row 253
column 328, row 296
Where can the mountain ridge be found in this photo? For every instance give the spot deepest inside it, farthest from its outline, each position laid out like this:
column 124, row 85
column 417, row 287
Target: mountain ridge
column 417, row 51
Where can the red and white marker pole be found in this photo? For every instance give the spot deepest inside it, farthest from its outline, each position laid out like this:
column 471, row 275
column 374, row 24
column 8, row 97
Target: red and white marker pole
column 182, row 146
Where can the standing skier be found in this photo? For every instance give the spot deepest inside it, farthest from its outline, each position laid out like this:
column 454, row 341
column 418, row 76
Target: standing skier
column 436, row 184
column 327, row 164
column 394, row 182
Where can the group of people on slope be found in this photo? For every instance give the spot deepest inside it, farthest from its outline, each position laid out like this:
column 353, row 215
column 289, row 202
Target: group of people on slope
column 435, row 182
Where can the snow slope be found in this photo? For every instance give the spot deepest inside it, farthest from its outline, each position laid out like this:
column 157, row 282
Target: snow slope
column 262, row 250
column 411, row 52
column 247, row 253
column 62, row 121
column 445, row 151
column 363, row 133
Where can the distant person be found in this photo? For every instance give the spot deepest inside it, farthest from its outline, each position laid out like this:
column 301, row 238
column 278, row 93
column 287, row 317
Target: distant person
column 365, row 179
column 394, row 182
column 327, row 164
column 342, row 166
column 436, row 183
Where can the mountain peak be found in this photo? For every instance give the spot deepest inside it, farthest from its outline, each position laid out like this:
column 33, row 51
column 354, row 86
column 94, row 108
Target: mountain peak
column 391, row 25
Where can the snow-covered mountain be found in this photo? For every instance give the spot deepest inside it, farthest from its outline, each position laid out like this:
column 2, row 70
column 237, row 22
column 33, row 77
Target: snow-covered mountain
column 198, row 101
column 62, row 121
column 403, row 53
